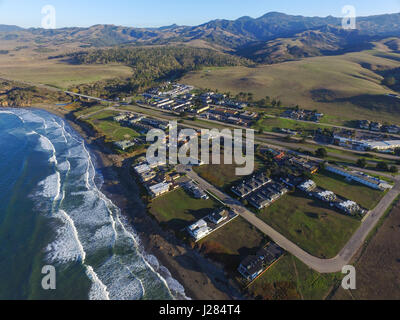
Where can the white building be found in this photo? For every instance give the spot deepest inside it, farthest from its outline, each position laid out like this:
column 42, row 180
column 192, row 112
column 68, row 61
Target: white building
column 199, row 230
column 362, row 178
column 143, row 168
column 160, row 189
column 383, row 145
column 308, row 186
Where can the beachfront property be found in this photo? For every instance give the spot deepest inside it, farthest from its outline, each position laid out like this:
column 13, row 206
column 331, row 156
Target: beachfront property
column 199, row 230
column 124, row 145
column 360, row 177
column 160, row 189
column 253, row 266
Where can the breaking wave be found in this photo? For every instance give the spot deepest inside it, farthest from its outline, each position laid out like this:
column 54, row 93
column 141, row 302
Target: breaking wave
column 90, row 229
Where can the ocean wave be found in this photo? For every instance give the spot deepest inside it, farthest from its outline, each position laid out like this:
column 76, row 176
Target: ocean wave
column 91, row 228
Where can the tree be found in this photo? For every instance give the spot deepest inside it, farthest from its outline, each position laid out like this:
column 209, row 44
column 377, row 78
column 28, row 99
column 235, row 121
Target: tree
column 394, row 169
column 389, row 81
column 321, row 153
column 362, row 163
column 383, row 166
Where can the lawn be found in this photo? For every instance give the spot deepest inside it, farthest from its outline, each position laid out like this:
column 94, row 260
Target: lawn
column 105, row 124
column 290, row 279
column 311, row 224
column 364, row 196
column 177, row 209
column 232, row 243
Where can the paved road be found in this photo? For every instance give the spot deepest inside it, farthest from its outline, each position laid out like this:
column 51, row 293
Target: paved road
column 320, row 265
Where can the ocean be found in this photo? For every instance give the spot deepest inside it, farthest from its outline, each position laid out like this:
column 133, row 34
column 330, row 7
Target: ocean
column 52, row 212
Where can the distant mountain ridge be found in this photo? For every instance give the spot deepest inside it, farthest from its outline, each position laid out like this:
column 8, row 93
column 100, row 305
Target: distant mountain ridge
column 270, row 38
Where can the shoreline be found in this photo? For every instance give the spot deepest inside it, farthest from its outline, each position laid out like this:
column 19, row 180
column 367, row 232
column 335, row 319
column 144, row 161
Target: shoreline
column 201, row 278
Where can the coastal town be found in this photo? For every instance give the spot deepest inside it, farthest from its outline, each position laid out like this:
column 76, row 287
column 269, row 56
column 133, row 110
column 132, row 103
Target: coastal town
column 295, row 173
column 185, row 152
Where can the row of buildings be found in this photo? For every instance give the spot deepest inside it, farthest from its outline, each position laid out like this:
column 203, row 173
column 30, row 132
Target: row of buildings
column 231, row 116
column 260, row 191
column 215, row 220
column 158, row 182
column 304, row 115
column 360, row 177
column 376, row 144
column 378, row 127
column 347, row 206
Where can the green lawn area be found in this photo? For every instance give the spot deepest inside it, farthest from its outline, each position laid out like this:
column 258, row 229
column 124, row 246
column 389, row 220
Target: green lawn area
column 177, row 209
column 105, row 124
column 226, row 173
column 311, row 224
column 290, row 279
column 270, row 124
column 232, row 243
column 364, row 196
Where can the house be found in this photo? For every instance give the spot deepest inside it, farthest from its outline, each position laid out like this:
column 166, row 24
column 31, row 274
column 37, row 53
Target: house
column 307, row 186
column 147, row 176
column 259, row 201
column 218, row 217
column 376, row 126
column 251, row 267
column 124, row 145
column 160, row 189
column 197, row 192
column 327, row 196
column 349, row 207
column 364, row 124
column 142, row 168
column 199, row 230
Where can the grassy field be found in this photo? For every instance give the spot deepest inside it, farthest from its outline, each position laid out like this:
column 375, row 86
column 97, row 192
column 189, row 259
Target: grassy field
column 378, row 265
column 364, row 196
column 274, row 124
column 226, row 173
column 290, row 279
column 232, row 243
column 177, row 209
column 338, row 86
column 38, row 69
column 311, row 224
column 113, row 131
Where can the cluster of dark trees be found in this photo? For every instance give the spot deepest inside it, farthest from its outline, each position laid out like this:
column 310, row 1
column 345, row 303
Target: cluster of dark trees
column 151, row 65
column 17, row 95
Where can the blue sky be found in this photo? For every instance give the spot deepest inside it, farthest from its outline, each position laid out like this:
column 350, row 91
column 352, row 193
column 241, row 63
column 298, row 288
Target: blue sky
column 155, row 13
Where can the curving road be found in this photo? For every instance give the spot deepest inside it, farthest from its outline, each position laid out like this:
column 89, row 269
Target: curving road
column 320, row 265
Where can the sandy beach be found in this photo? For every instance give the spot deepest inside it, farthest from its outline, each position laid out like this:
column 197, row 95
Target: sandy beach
column 201, row 278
